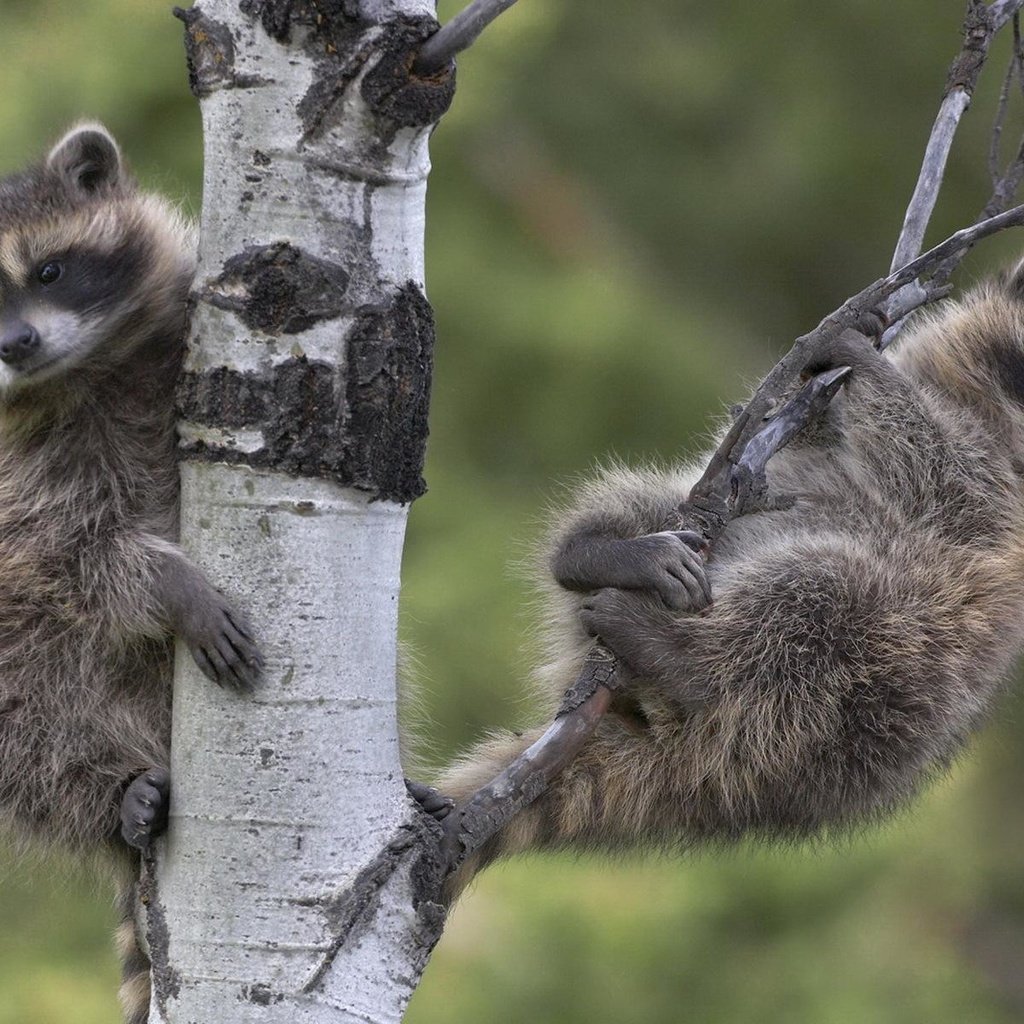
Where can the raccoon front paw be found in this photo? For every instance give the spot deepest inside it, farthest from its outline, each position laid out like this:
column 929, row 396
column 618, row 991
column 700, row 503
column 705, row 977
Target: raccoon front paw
column 671, row 564
column 221, row 644
column 634, row 626
column 144, row 808
column 430, row 800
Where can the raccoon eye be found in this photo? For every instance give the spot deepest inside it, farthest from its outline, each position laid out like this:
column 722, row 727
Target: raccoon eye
column 50, row 272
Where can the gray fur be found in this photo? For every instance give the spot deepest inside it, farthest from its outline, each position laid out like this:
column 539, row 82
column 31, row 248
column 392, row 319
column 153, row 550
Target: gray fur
column 854, row 640
column 92, row 585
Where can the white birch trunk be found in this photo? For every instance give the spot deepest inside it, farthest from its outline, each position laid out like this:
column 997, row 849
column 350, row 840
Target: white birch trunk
column 272, row 900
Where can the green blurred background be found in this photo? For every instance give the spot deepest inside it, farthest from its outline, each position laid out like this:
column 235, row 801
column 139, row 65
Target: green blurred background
column 633, row 209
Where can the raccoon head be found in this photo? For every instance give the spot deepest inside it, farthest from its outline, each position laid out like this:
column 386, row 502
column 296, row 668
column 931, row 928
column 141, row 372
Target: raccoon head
column 91, row 268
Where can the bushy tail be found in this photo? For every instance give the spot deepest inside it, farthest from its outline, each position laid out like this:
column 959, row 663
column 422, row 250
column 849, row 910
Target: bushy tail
column 616, row 792
column 134, row 991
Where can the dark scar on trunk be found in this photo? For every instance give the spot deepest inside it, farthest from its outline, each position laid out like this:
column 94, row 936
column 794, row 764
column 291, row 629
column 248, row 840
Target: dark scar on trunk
column 364, row 427
column 210, row 54
column 279, row 288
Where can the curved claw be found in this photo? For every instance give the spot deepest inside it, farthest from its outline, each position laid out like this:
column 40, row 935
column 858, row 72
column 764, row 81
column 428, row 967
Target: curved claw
column 220, row 642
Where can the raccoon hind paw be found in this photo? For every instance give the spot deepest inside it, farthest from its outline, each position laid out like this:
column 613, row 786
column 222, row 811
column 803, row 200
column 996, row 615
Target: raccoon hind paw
column 144, row 808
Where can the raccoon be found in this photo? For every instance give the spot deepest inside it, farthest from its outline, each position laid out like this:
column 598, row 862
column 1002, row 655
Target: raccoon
column 830, row 657
column 94, row 276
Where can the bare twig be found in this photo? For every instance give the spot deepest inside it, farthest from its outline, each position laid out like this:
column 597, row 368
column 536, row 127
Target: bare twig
column 981, row 23
column 1005, row 185
column 457, row 35
column 1002, row 11
column 1001, row 108
column 926, row 192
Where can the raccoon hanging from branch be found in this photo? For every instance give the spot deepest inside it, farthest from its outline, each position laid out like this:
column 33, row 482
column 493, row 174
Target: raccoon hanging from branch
column 832, row 655
column 94, row 276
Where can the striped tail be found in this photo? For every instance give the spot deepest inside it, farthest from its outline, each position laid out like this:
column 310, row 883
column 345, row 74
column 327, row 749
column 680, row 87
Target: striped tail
column 134, row 991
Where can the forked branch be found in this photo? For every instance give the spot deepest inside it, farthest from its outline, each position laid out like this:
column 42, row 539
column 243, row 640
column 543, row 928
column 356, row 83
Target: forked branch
column 981, row 24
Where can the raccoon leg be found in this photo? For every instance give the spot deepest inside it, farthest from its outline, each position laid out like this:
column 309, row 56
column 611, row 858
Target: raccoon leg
column 217, row 635
column 143, row 817
column 144, row 808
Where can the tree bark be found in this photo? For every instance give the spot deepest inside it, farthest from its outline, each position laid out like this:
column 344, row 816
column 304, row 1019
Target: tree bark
column 288, row 888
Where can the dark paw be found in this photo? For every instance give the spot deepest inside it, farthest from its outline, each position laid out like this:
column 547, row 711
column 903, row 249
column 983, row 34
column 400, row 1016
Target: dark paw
column 851, row 349
column 144, row 808
column 430, row 800
column 670, row 564
column 220, row 641
column 635, row 626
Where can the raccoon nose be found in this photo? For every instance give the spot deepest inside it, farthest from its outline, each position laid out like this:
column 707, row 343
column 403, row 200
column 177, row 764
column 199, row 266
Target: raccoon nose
column 18, row 342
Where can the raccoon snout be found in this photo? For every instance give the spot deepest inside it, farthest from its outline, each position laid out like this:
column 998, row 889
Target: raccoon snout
column 18, row 342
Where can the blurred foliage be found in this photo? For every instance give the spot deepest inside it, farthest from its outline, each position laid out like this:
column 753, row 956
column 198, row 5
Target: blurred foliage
column 633, row 208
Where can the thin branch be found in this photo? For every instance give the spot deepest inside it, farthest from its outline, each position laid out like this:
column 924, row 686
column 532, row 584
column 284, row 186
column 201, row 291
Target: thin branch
column 926, row 192
column 457, row 35
column 1001, row 107
column 1002, row 11
column 1018, row 51
column 1005, row 185
column 981, row 24
column 1002, row 194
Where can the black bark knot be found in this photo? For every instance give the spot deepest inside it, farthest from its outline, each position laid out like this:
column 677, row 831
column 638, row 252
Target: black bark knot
column 279, row 288
column 390, row 363
column 209, row 51
column 260, row 994
column 330, row 20
column 399, row 97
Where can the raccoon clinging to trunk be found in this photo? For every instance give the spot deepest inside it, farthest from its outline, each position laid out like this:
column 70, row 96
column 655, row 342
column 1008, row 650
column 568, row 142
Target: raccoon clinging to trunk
column 94, row 276
column 829, row 657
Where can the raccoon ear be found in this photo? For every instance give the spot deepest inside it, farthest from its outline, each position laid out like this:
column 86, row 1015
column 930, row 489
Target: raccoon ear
column 88, row 159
